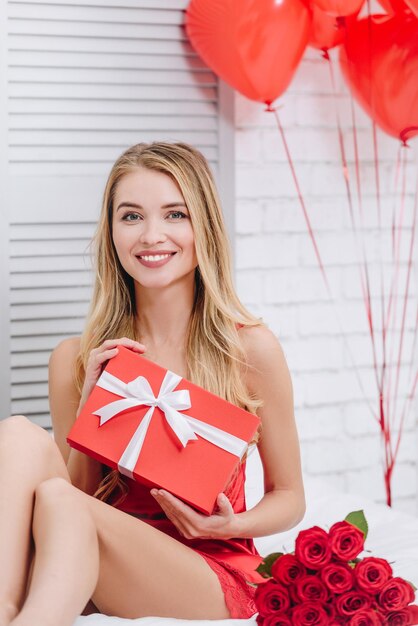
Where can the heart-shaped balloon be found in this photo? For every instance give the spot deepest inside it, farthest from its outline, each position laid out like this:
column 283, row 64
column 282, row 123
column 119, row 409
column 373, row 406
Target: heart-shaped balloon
column 328, row 31
column 393, row 6
column 339, row 8
column 413, row 5
column 254, row 45
column 379, row 60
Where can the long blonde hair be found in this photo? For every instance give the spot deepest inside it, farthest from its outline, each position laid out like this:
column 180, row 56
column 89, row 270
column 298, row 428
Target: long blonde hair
column 214, row 353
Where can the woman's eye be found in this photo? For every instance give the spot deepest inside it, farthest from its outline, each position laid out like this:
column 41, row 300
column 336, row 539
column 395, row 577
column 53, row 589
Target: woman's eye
column 177, row 214
column 131, row 217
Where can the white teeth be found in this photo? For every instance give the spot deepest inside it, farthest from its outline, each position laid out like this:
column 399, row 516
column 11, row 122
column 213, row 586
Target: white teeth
column 155, row 257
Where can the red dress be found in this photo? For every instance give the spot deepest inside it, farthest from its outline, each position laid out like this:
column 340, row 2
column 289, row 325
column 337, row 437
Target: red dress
column 233, row 560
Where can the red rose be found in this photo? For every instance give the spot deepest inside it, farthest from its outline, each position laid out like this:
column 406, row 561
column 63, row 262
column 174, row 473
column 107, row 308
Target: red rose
column 271, row 597
column 398, row 618
column 395, row 595
column 371, row 574
column 309, row 614
column 367, row 617
column 338, row 577
column 311, row 589
column 350, row 602
column 312, row 547
column 330, row 609
column 287, row 569
column 276, row 620
column 346, row 540
column 413, row 614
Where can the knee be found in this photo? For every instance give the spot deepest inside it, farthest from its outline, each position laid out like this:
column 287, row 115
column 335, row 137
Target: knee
column 54, row 489
column 16, row 424
column 19, row 430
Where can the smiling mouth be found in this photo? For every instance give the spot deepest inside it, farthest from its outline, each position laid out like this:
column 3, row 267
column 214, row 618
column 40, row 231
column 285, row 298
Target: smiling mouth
column 155, row 257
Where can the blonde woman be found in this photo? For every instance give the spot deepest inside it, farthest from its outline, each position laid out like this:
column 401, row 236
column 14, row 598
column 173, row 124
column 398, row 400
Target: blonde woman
column 71, row 530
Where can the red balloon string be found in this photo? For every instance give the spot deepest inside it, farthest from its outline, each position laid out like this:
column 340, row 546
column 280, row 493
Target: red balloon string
column 394, row 230
column 356, row 159
column 404, row 311
column 384, row 425
column 364, row 272
column 369, row 311
column 414, row 383
column 397, row 168
column 397, row 229
column 274, row 110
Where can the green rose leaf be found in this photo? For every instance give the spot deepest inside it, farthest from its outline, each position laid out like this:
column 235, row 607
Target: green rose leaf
column 358, row 519
column 265, row 567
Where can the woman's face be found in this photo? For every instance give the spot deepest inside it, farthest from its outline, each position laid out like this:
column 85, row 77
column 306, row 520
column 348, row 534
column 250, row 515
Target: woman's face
column 152, row 231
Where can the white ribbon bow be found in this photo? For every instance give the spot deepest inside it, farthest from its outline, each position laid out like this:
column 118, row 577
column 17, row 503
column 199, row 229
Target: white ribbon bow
column 138, row 392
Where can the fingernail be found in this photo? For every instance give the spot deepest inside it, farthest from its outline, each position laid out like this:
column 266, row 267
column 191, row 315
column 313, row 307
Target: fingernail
column 154, row 492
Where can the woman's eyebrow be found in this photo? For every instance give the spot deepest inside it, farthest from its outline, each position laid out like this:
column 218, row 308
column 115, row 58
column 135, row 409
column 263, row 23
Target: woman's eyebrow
column 132, row 205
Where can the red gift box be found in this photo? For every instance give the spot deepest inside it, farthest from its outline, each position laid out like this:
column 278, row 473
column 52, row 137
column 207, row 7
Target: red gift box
column 162, row 430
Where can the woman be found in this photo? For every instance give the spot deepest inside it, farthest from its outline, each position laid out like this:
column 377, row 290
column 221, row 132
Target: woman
column 163, row 288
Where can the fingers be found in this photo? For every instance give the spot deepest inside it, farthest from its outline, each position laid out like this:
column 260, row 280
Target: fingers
column 123, row 341
column 98, row 358
column 106, row 355
column 183, row 516
column 224, row 505
column 109, row 349
column 110, row 344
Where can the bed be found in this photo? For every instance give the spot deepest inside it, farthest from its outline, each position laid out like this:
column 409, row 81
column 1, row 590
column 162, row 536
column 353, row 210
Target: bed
column 393, row 535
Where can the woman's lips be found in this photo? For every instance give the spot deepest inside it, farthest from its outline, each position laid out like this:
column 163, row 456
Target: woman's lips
column 159, row 263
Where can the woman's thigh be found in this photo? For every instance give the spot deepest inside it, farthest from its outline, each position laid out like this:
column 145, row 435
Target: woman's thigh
column 146, row 572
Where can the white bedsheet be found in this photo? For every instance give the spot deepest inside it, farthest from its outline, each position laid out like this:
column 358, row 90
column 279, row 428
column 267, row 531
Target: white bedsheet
column 392, row 535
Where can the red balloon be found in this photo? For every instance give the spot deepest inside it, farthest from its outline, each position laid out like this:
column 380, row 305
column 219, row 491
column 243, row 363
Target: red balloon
column 339, row 8
column 328, row 31
column 413, row 5
column 254, row 45
column 379, row 60
column 393, row 6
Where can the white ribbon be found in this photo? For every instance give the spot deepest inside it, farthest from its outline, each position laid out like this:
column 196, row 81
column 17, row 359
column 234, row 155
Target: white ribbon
column 138, row 392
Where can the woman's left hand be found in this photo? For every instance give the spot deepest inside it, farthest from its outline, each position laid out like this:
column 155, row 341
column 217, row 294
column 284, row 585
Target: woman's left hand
column 194, row 525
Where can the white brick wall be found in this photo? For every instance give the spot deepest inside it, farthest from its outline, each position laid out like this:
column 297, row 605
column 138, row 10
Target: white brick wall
column 281, row 281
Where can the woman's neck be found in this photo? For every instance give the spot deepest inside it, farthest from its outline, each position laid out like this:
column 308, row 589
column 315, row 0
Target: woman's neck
column 164, row 314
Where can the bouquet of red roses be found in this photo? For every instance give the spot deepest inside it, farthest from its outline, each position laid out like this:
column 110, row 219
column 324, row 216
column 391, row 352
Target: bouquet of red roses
column 325, row 583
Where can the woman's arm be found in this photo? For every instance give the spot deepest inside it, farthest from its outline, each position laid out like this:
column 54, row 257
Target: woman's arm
column 283, row 504
column 64, row 399
column 66, row 402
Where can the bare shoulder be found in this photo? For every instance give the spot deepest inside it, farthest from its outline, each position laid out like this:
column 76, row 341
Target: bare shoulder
column 65, row 353
column 261, row 347
column 62, row 366
column 266, row 362
column 64, row 396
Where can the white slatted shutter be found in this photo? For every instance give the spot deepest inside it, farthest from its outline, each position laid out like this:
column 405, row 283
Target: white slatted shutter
column 81, row 83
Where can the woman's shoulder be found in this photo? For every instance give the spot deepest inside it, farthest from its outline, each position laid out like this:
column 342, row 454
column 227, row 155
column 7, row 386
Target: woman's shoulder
column 65, row 352
column 260, row 344
column 265, row 359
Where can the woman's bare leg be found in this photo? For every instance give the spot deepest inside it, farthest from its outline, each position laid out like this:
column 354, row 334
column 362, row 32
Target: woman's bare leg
column 67, row 557
column 28, row 456
column 141, row 570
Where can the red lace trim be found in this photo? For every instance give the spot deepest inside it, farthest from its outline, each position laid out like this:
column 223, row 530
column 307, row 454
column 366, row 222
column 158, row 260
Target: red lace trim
column 239, row 594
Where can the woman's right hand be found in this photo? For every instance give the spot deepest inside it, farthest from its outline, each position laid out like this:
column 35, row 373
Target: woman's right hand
column 97, row 360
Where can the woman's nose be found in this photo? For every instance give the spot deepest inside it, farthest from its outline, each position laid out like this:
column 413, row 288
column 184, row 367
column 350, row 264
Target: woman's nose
column 152, row 231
